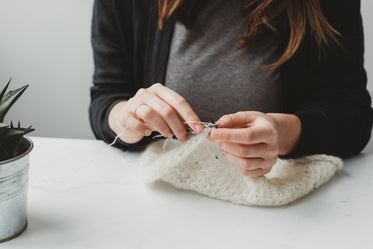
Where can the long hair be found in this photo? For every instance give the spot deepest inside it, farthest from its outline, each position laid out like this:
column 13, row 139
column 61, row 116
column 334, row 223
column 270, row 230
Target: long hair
column 263, row 16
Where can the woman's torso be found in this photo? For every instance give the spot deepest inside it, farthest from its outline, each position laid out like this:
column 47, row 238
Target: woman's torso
column 211, row 75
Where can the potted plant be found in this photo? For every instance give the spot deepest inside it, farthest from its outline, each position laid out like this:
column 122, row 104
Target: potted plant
column 14, row 160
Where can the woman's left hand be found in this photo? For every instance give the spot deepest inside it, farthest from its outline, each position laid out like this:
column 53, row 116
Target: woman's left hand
column 250, row 140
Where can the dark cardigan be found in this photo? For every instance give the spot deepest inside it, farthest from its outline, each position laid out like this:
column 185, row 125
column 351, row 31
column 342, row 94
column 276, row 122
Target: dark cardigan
column 328, row 92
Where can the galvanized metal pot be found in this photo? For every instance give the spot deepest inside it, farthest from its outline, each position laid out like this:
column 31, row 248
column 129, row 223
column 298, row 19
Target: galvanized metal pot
column 13, row 194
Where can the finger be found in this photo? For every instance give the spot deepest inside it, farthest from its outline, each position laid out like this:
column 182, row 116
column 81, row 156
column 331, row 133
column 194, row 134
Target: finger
column 249, row 151
column 245, row 163
column 167, row 113
column 238, row 120
column 154, row 120
column 129, row 120
column 251, row 135
column 251, row 166
column 254, row 173
column 179, row 104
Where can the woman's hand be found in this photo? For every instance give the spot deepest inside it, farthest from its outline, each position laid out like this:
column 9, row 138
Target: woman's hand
column 156, row 108
column 252, row 141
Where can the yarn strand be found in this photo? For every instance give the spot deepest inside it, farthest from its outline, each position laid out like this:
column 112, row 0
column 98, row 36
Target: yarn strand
column 117, row 137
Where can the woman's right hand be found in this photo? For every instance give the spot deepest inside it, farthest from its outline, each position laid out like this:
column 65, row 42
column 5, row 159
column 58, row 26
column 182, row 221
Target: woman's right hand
column 156, row 108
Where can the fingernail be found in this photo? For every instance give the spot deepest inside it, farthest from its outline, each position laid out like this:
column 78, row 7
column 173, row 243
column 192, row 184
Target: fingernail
column 183, row 139
column 147, row 132
column 212, row 133
column 198, row 127
column 170, row 135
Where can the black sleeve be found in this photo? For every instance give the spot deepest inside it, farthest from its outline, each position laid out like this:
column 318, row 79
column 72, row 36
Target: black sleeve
column 113, row 74
column 336, row 115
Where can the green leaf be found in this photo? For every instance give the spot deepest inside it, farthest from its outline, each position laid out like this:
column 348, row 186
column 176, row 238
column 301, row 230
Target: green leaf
column 11, row 134
column 9, row 99
column 4, row 90
column 3, row 128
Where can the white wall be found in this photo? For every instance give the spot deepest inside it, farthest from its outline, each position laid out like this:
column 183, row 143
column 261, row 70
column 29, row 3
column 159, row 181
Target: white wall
column 367, row 8
column 47, row 43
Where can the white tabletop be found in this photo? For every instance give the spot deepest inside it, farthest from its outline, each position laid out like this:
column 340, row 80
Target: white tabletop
column 83, row 194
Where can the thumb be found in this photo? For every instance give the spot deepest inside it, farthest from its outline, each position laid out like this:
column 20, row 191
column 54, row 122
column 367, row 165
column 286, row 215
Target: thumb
column 238, row 119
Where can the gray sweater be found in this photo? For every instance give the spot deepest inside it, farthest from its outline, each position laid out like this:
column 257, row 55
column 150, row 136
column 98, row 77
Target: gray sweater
column 211, row 75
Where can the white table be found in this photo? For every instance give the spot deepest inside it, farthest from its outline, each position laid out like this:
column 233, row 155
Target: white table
column 83, row 194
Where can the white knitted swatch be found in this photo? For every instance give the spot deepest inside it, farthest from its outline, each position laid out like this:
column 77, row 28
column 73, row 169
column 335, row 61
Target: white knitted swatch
column 199, row 165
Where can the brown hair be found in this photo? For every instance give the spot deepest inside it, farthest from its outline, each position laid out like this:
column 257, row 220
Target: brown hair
column 262, row 16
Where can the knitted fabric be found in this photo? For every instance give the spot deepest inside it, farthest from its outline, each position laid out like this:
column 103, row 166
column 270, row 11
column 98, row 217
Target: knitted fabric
column 200, row 166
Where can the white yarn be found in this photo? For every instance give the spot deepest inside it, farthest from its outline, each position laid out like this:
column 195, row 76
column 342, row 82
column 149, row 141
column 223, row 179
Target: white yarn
column 199, row 165
column 117, row 137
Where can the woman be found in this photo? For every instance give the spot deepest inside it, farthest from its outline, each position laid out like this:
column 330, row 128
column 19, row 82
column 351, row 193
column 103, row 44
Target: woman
column 282, row 78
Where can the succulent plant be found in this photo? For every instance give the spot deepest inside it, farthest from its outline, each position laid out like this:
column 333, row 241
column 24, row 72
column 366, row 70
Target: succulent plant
column 10, row 135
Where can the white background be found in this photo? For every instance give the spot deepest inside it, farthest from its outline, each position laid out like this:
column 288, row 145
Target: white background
column 46, row 43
